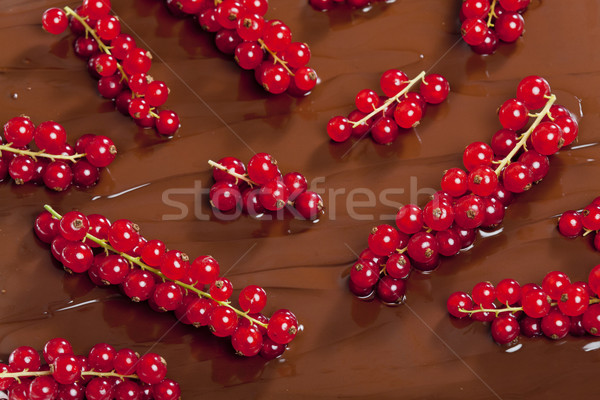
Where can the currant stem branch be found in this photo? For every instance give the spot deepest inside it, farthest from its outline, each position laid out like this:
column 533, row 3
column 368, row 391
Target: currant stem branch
column 137, row 261
column 492, row 14
column 498, row 311
column 27, row 374
column 89, row 30
column 244, row 178
column 391, row 100
column 42, row 153
column 276, row 58
column 523, row 141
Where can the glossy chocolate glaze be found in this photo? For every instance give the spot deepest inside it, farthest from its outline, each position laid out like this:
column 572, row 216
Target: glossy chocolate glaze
column 348, row 348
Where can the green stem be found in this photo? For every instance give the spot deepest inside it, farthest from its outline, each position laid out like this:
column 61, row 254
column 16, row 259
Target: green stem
column 492, row 14
column 244, row 178
column 137, row 261
column 275, row 57
column 525, row 136
column 27, row 374
column 88, row 29
column 389, row 101
column 498, row 311
column 42, row 153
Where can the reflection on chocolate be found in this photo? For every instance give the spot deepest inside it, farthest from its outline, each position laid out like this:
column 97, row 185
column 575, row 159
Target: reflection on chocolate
column 348, row 348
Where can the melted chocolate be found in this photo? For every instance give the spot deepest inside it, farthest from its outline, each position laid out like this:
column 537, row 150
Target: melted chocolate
column 348, row 348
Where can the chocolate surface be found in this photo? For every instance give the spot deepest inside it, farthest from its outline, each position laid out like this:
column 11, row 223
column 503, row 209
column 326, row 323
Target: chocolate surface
column 347, row 348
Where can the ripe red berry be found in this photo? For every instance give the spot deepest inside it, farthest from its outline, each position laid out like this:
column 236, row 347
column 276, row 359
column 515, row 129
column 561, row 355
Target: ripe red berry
column 204, row 270
column 574, row 300
column 309, row 205
column 225, row 196
column 101, row 357
column 221, row 289
column 123, row 235
column 591, row 320
column 364, row 274
column 469, row 211
column 513, row 114
column 73, row 226
column 484, row 294
column 590, row 217
column 508, row 291
column 457, row 301
column 477, row 154
column 517, row 177
column 555, row 325
column 366, row 100
column 283, row 326
column 167, row 122
column 174, row 264
column 252, row 299
column 422, row 247
column 274, row 195
column 547, row 138
column 277, row 35
column 408, row 113
column 24, row 358
column 536, row 303
column 339, row 129
column 555, row 283
column 55, row 21
column 569, row 224
column 393, row 81
column 100, row 151
column 19, row 131
column 509, row 26
column 262, row 168
column 505, row 329
column 482, row 181
column 384, row 240
column 434, row 88
column 538, row 164
column 50, row 136
column 438, row 216
column 532, row 91
column 66, row 369
column 138, row 285
column 247, row 340
column 474, row 31
column 223, row 321
column 409, row 219
column 454, row 182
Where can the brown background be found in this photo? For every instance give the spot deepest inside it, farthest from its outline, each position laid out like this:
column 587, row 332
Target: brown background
column 348, row 348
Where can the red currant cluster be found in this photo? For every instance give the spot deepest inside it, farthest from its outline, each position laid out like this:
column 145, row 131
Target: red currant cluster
column 383, row 116
column 325, row 5
column 167, row 279
column 103, row 374
column 256, row 43
column 554, row 309
column 581, row 223
column 56, row 164
column 261, row 188
column 484, row 23
column 468, row 200
column 115, row 60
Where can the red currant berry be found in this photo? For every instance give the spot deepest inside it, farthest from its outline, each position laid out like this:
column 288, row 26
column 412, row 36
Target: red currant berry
column 309, row 205
column 295, row 183
column 434, row 88
column 174, row 265
column 204, row 270
column 422, row 247
column 569, row 128
column 249, row 55
column 85, row 174
column 390, row 290
column 570, row 224
column 393, row 81
column 225, row 196
column 56, row 347
column 50, row 136
column 46, row 227
column 166, row 389
column 77, row 257
column 249, row 27
column 591, row 320
column 275, row 79
column 43, row 388
column 21, row 169
column 590, row 217
column 536, row 303
column 532, row 91
column 137, row 61
column 477, row 154
column 167, row 122
column 247, row 340
column 283, row 326
column 55, row 21
column 531, row 327
column 438, row 217
column 74, row 226
column 494, row 212
column 277, row 35
column 270, row 349
column 366, row 101
column 555, row 283
column 474, row 31
column 121, row 45
column 221, row 289
column 538, row 164
column 123, row 235
column 398, row 266
column 100, row 151
column 459, row 301
column 24, row 358
column 574, row 300
column 517, row 177
column 409, row 219
column 514, row 5
column 138, row 285
column 66, row 369
column 167, row 296
column 475, row 8
column 223, row 321
column 262, row 168
column 489, row 44
column 469, row 211
column 513, row 114
column 484, row 294
column 508, row 291
column 274, row 195
column 19, row 131
column 556, row 325
column 454, row 182
column 384, row 130
column 509, row 26
column 364, row 274
column 108, row 27
column 339, row 129
column 482, row 181
column 408, row 114
column 503, row 142
column 384, row 240
column 156, row 94
column 505, row 329
column 252, row 299
column 547, row 138
column 449, row 243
